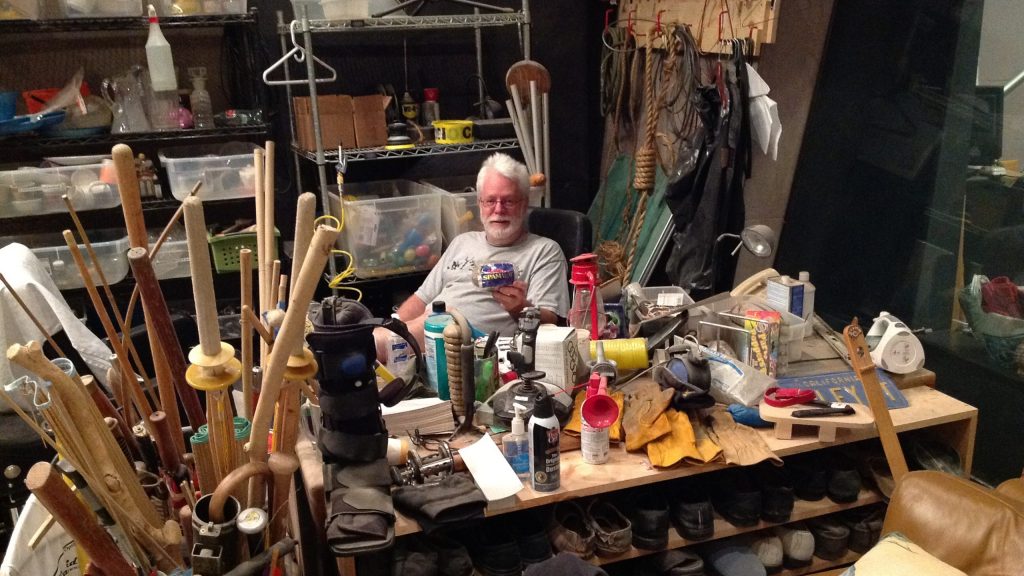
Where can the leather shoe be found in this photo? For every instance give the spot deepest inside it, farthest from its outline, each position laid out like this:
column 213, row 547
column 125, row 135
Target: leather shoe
column 692, row 511
column 528, row 530
column 737, row 499
column 810, row 479
column 776, row 492
column 677, row 563
column 865, row 526
column 769, row 551
column 830, row 537
column 843, row 479
column 797, row 545
column 493, row 549
column 570, row 531
column 452, row 557
column 649, row 516
column 613, row 532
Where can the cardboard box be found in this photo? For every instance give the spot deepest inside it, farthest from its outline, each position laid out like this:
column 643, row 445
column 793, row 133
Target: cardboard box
column 764, row 327
column 336, row 121
column 558, row 355
column 371, row 128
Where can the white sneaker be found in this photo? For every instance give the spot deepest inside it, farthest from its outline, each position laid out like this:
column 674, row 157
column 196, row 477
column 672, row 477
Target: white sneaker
column 797, row 544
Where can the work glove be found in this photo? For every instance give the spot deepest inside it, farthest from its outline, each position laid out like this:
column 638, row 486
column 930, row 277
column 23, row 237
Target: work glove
column 740, row 444
column 644, row 419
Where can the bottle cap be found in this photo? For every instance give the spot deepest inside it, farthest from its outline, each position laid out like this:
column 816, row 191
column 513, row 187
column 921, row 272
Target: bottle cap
column 438, row 307
column 430, row 94
column 542, row 405
column 804, row 276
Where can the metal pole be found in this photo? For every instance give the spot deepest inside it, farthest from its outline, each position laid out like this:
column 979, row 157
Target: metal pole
column 291, row 105
column 1014, row 83
column 321, row 162
column 478, row 37
column 526, row 29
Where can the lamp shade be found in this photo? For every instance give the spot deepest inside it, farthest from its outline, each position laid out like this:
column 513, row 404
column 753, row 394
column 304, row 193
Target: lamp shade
column 759, row 239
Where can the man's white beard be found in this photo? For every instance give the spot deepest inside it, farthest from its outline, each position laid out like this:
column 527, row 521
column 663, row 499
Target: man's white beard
column 498, row 233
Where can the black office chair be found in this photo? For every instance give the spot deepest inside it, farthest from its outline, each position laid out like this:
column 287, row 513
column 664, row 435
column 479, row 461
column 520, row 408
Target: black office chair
column 569, row 228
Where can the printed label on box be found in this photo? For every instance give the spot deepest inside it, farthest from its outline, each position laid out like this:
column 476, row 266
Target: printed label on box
column 367, row 224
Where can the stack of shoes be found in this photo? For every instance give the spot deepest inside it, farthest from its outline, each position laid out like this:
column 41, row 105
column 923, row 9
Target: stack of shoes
column 692, row 511
column 776, row 492
column 413, row 558
column 649, row 517
column 797, row 545
column 613, row 532
column 831, row 537
column 528, row 529
column 493, row 549
column 736, row 497
column 353, row 440
column 768, row 549
column 452, row 557
column 865, row 526
column 570, row 530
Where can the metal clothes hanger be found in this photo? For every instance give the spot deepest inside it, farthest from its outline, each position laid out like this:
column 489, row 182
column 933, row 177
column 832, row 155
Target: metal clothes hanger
column 299, row 54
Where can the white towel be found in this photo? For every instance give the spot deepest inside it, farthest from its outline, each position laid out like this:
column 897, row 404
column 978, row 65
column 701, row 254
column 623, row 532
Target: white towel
column 26, row 274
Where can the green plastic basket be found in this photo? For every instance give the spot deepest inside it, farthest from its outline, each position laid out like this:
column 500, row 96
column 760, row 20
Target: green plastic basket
column 225, row 249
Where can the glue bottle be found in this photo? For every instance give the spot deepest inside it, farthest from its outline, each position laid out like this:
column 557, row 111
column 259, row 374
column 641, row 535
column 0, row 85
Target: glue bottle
column 516, row 444
column 544, row 434
column 400, row 355
column 433, row 342
column 158, row 57
column 805, row 279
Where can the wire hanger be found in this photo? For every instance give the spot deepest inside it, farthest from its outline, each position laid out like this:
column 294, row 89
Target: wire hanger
column 299, row 53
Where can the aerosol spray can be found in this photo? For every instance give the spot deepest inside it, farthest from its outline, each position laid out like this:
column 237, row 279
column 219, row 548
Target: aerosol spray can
column 544, row 434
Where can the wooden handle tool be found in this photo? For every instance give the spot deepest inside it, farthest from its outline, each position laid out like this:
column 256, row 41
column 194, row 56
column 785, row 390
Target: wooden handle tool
column 305, row 211
column 245, row 267
column 48, row 486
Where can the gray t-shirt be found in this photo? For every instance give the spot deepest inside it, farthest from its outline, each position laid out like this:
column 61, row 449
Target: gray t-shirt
column 539, row 262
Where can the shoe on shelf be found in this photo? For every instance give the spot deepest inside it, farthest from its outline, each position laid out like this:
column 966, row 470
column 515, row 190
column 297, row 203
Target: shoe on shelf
column 927, row 454
column 493, row 549
column 569, row 530
column 768, row 549
column 865, row 526
column 776, row 492
column 736, row 497
column 876, row 467
column 733, row 557
column 678, row 562
column 649, row 517
column 831, row 537
column 844, row 481
column 529, row 530
column 452, row 557
column 692, row 511
column 613, row 532
column 810, row 479
column 413, row 557
column 797, row 544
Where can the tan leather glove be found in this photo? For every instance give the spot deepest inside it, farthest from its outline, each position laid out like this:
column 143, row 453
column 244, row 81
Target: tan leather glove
column 740, row 444
column 645, row 418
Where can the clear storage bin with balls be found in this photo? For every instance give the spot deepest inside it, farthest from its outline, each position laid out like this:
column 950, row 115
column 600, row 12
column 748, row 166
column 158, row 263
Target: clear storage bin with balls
column 391, row 226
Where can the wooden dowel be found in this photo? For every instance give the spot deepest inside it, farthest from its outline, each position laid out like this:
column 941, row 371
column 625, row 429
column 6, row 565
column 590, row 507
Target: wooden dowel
column 546, row 169
column 262, row 258
column 202, row 277
column 527, row 141
column 535, row 115
column 231, row 483
column 283, row 466
column 275, row 274
column 305, row 213
column 269, row 240
column 141, row 402
column 165, row 445
column 107, row 410
column 31, row 316
column 264, row 334
column 162, row 332
column 49, row 487
column 245, row 263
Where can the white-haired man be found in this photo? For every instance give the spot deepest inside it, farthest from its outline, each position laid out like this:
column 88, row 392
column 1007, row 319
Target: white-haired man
column 503, row 187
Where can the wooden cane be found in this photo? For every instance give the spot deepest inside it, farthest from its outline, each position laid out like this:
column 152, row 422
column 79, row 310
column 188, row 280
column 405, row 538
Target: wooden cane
column 305, row 212
column 214, row 367
column 268, row 239
column 163, row 434
column 231, row 483
column 107, row 410
column 164, row 335
column 168, row 361
column 538, row 138
column 262, row 258
column 283, row 466
column 48, row 486
column 289, row 338
column 245, row 268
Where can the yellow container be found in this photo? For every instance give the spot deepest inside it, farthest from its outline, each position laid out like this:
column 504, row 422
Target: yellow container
column 453, row 131
column 628, row 353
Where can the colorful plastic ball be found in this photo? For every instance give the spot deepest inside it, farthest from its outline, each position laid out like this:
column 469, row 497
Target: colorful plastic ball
column 409, row 255
column 423, row 251
column 432, row 260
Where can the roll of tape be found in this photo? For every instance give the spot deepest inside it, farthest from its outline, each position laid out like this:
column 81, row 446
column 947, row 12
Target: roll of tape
column 453, row 131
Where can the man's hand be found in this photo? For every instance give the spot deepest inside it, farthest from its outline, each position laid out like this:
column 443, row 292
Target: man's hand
column 512, row 298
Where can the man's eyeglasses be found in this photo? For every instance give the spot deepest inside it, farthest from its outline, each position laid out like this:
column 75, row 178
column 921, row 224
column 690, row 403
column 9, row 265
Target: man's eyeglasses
column 512, row 203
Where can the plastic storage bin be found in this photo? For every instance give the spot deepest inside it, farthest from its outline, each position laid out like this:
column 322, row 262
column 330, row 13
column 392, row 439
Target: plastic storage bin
column 101, row 8
column 226, row 248
column 31, row 191
column 460, row 211
column 226, row 170
column 172, row 260
column 391, row 226
column 111, row 248
column 346, row 9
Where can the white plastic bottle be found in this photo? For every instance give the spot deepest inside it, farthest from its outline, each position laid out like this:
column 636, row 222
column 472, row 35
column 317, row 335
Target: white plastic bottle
column 400, row 355
column 516, row 444
column 202, row 108
column 805, row 279
column 158, row 57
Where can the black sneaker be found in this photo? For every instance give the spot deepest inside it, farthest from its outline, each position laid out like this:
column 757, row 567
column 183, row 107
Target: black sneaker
column 831, row 537
column 494, row 550
column 692, row 511
column 649, row 516
column 865, row 526
column 528, row 528
column 736, row 498
column 776, row 492
column 843, row 479
column 810, row 479
column 452, row 557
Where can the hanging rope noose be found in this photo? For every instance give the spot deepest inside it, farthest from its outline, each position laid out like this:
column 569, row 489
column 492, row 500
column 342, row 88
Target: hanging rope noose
column 646, row 162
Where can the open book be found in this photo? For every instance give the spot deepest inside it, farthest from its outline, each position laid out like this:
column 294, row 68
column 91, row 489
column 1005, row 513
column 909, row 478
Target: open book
column 430, row 415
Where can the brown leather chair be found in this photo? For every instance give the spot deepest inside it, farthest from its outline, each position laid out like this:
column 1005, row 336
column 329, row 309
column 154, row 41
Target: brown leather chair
column 975, row 529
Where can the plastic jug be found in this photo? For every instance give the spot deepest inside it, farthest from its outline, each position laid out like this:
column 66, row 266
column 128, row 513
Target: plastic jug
column 587, row 310
column 433, row 340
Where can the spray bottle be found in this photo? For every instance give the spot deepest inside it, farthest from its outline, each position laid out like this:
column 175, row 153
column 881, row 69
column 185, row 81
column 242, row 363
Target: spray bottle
column 158, row 57
column 544, row 435
column 516, row 444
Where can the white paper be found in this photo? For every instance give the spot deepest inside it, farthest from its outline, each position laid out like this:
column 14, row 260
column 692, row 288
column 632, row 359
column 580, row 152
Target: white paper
column 490, row 470
column 766, row 127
